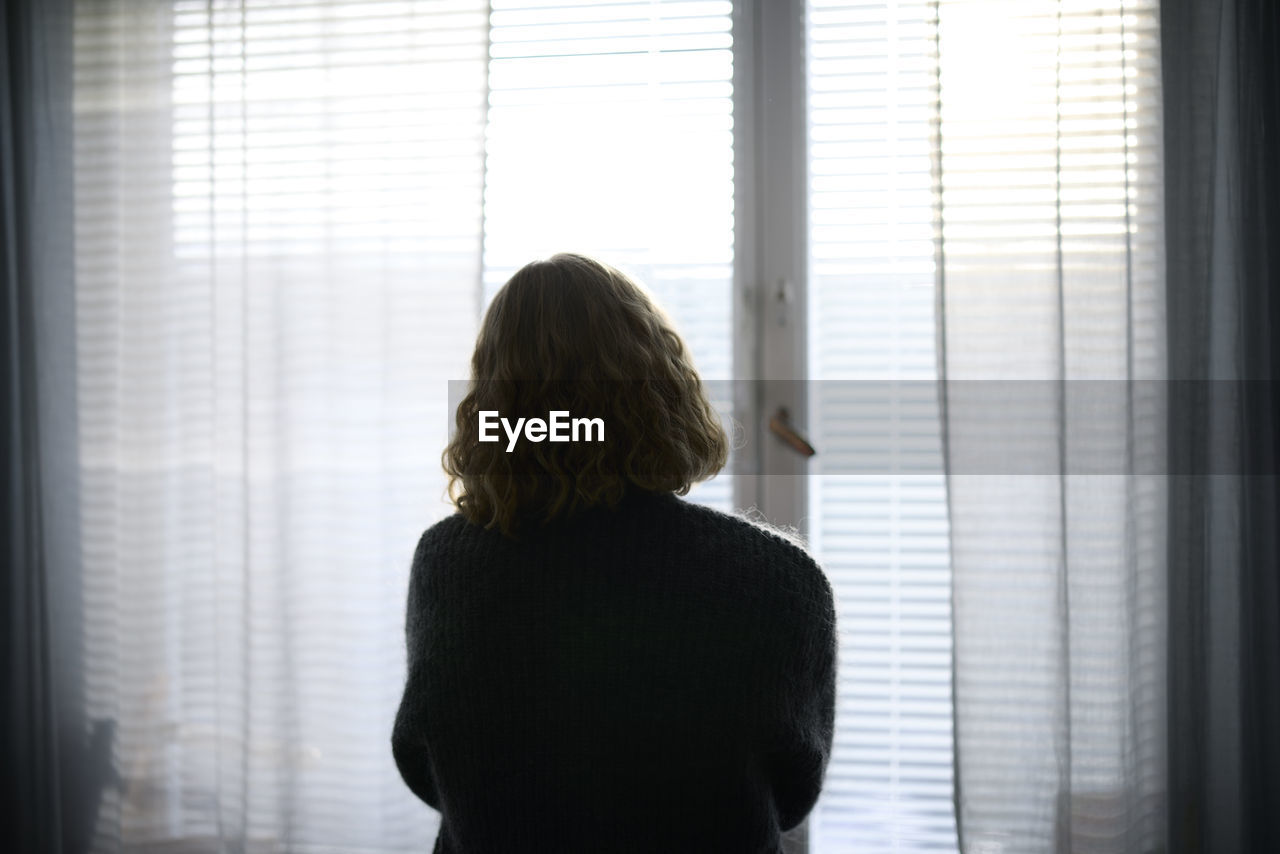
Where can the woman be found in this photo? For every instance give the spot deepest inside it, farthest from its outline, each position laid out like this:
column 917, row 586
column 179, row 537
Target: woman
column 595, row 664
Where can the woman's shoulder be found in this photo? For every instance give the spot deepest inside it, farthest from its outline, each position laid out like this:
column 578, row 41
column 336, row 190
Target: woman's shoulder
column 750, row 526
column 438, row 534
column 748, row 534
column 776, row 558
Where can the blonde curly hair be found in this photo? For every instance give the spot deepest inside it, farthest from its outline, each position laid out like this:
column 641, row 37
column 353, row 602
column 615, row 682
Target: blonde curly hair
column 574, row 334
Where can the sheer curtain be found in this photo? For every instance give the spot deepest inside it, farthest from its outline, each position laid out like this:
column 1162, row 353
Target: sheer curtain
column 1051, row 329
column 278, row 219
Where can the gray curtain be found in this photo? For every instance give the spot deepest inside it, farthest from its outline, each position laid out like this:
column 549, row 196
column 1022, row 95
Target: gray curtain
column 53, row 766
column 1222, row 144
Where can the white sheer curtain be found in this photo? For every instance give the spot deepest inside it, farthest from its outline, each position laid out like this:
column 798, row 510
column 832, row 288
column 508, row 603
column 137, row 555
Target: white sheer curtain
column 278, row 213
column 1051, row 291
column 279, row 209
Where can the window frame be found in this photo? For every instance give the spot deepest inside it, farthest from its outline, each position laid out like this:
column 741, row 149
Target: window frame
column 771, row 262
column 771, row 223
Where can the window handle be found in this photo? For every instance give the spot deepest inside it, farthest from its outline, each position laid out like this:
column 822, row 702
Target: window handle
column 780, row 426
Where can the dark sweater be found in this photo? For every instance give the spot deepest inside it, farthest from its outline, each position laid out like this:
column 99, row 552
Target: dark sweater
column 657, row 677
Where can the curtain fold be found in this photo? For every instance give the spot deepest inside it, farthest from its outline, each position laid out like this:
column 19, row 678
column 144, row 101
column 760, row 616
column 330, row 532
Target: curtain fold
column 1051, row 345
column 1222, row 83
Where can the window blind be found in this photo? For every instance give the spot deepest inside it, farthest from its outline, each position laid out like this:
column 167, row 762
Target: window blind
column 610, row 132
column 881, row 535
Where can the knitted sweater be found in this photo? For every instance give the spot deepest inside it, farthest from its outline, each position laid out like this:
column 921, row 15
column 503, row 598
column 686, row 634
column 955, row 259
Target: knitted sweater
column 655, row 677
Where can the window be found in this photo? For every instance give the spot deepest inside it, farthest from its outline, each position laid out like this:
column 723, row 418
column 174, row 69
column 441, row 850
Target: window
column 290, row 217
column 610, row 131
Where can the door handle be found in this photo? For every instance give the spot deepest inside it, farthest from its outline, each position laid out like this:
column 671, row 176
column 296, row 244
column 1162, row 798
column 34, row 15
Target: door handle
column 780, row 426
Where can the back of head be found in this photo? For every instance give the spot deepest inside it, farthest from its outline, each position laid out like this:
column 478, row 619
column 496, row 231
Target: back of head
column 574, row 335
